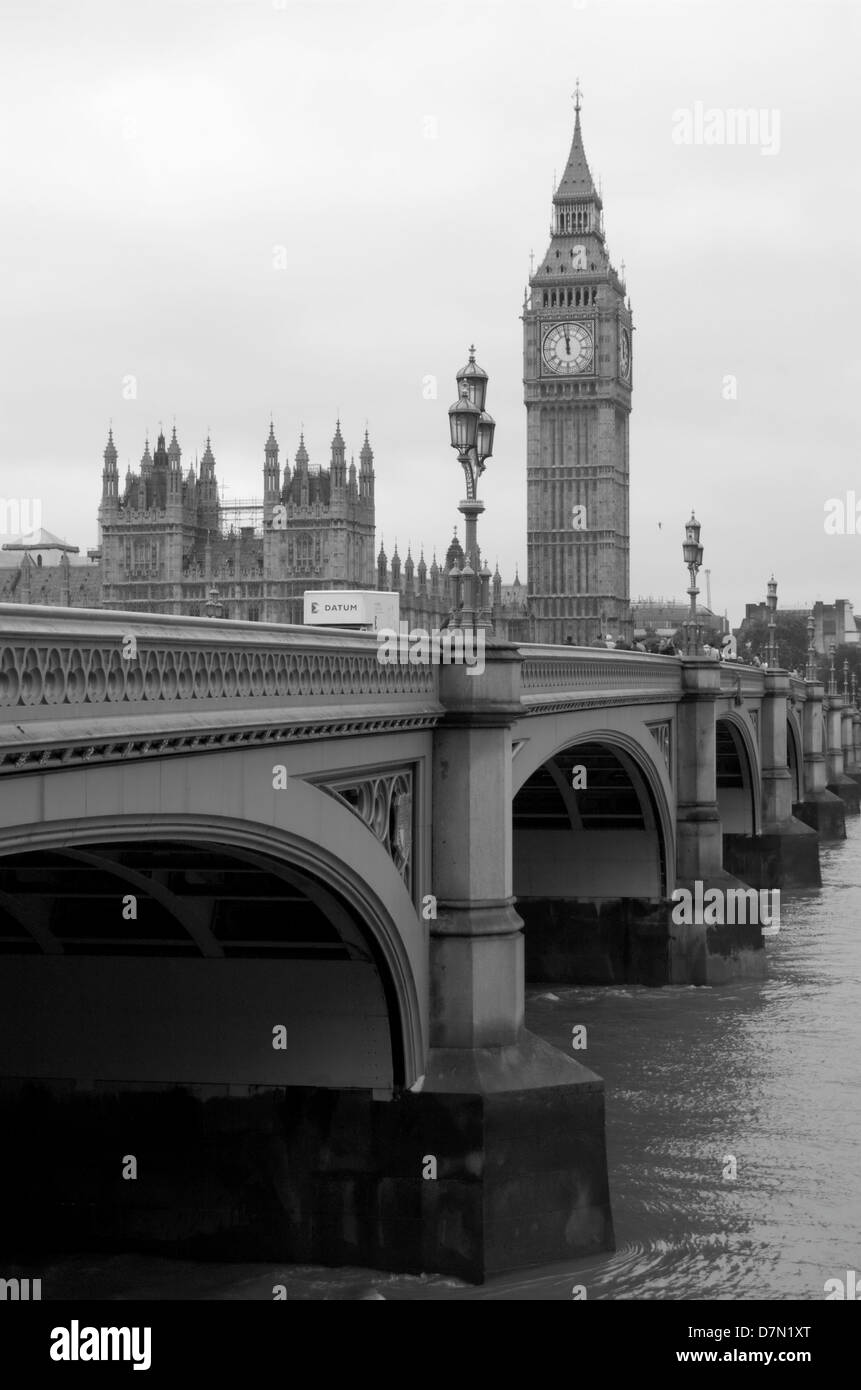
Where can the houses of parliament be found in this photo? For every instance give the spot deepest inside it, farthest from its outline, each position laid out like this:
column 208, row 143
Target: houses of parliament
column 169, row 544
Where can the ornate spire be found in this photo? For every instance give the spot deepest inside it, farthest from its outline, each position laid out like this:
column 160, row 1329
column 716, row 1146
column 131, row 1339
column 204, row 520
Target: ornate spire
column 576, row 181
column 272, row 442
column 110, row 454
column 302, row 452
column 174, row 450
column 146, row 457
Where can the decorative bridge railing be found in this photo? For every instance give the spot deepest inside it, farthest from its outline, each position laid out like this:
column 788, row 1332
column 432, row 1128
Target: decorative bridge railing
column 749, row 682
column 78, row 685
column 84, row 684
column 555, row 678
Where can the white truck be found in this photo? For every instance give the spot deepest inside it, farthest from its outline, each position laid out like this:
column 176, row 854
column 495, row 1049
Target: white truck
column 364, row 610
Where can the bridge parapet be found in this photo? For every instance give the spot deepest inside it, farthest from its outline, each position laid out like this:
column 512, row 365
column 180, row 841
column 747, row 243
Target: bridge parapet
column 798, row 688
column 116, row 676
column 738, row 679
column 554, row 676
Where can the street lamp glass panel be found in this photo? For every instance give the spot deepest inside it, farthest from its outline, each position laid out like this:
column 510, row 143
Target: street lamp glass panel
column 486, row 429
column 463, row 422
column 475, row 380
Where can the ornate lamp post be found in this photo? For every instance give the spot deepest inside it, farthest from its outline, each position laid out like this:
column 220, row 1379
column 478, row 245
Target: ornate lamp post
column 810, row 673
column 773, row 658
column 846, row 679
column 693, row 555
column 472, row 431
column 832, row 679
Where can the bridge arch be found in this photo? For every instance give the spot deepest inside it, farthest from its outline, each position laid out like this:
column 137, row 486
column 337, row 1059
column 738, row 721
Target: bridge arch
column 739, row 790
column 592, row 861
column 647, row 774
column 370, row 1001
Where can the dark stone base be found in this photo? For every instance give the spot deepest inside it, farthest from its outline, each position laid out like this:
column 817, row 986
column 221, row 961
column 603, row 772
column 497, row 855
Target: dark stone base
column 319, row 1176
column 634, row 941
column 784, row 858
column 589, row 942
column 849, row 793
column 825, row 813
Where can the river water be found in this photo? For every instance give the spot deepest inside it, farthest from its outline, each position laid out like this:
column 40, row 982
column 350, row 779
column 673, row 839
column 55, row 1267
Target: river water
column 765, row 1072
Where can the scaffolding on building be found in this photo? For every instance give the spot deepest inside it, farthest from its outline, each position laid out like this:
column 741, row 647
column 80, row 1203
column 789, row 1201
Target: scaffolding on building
column 243, row 515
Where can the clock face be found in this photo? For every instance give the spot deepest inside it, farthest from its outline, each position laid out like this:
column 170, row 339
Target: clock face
column 625, row 355
column 569, row 349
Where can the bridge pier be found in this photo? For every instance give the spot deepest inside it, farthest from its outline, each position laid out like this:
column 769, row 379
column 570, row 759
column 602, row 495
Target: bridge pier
column 848, row 734
column 518, row 1124
column 786, row 852
column 711, row 954
column 820, row 809
column 852, row 764
column 838, row 782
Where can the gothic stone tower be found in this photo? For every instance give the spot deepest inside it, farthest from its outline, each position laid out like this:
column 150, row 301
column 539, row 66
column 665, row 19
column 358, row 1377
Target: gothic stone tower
column 318, row 526
column 577, row 389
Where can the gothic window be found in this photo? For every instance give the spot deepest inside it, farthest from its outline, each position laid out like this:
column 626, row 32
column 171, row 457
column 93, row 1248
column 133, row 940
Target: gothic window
column 303, row 551
column 545, row 299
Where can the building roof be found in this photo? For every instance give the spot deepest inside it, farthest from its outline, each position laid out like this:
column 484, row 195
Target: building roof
column 40, row 540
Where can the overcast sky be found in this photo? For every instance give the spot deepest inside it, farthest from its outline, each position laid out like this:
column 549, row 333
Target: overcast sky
column 155, row 155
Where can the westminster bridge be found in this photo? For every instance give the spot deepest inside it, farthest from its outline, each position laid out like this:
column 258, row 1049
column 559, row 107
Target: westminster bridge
column 267, row 909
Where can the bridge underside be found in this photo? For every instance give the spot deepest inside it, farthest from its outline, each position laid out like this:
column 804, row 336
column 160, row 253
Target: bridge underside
column 590, row 871
column 203, row 1055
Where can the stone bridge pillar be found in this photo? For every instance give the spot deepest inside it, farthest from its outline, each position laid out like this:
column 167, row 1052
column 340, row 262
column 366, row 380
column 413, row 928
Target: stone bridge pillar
column 714, row 952
column 820, row 808
column 776, row 776
column 855, row 772
column 516, row 1125
column 850, row 765
column 699, row 852
column 786, row 852
column 838, row 782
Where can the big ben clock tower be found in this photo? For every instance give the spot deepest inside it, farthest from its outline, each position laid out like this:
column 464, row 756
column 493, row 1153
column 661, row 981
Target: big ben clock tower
column 577, row 388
